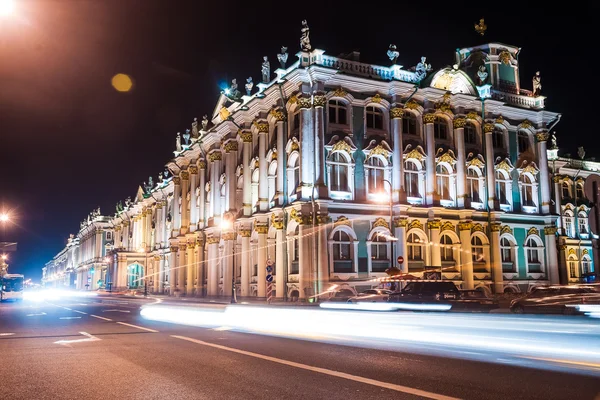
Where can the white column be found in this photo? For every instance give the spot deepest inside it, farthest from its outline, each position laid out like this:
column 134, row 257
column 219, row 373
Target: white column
column 193, row 169
column 307, row 146
column 304, row 262
column 434, row 240
column 185, row 217
column 175, row 213
column 319, row 102
column 552, row 255
column 173, row 268
column 156, row 274
column 261, row 274
column 461, row 173
column 215, row 186
column 247, row 156
column 281, row 158
column 200, row 262
column 542, row 144
column 558, row 203
column 402, row 249
column 202, row 218
column 489, row 167
column 163, row 225
column 245, row 278
column 158, row 227
column 190, row 269
column 181, row 267
column 496, row 258
column 263, row 183
column 228, row 254
column 126, row 243
column 280, row 284
column 161, row 274
column 396, row 114
column 430, row 160
column 231, row 148
column 213, row 273
column 466, row 258
column 323, row 255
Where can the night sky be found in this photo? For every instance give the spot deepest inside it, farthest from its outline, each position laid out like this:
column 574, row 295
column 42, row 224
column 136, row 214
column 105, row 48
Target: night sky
column 69, row 142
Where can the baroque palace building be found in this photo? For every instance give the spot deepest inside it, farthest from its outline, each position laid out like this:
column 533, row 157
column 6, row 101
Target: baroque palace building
column 330, row 168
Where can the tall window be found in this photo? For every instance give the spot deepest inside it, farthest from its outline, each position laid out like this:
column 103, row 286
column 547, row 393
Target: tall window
column 470, row 135
column 586, row 265
column 337, row 112
column 379, row 248
column 374, row 118
column 566, row 191
column 376, row 169
column 533, row 255
column 440, row 129
column 583, row 221
column 506, row 250
column 341, row 245
column 339, row 172
column 447, row 253
column 477, row 253
column 527, row 191
column 498, row 138
column 568, row 217
column 579, row 191
column 473, row 180
column 297, row 244
column 502, row 182
column 411, row 177
column 443, row 182
column 523, row 141
column 409, row 124
column 415, row 247
column 573, row 268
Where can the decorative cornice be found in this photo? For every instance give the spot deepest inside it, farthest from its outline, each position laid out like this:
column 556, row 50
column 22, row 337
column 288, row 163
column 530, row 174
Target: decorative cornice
column 495, row 226
column 193, row 169
column 381, row 222
column 488, row 128
column 215, row 156
column 319, row 101
column 213, row 240
column 278, row 115
column 231, row 145
column 428, row 118
column 550, row 230
column 459, row 122
column 415, row 223
column 276, row 223
column 228, row 236
column 262, row 126
column 262, row 229
column 396, row 112
column 435, row 224
column 246, row 137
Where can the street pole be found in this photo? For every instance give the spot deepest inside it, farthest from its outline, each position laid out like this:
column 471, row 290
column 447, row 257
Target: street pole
column 392, row 237
column 233, row 299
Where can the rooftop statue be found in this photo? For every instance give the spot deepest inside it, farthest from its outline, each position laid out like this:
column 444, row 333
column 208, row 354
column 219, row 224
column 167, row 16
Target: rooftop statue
column 178, row 142
column 283, row 56
column 249, row 85
column 482, row 74
column 304, row 37
column 204, row 122
column 234, row 93
column 537, row 84
column 195, row 128
column 392, row 53
column 553, row 141
column 266, row 70
column 422, row 68
column 186, row 137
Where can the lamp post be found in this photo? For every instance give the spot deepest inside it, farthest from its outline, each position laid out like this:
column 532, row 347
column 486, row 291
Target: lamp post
column 227, row 224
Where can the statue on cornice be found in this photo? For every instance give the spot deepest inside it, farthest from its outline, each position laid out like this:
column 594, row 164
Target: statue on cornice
column 178, row 142
column 195, row 128
column 422, row 68
column 266, row 70
column 553, row 141
column 128, row 202
column 160, row 178
column 283, row 56
column 304, row 37
column 482, row 74
column 150, row 182
column 249, row 85
column 392, row 53
column 186, row 137
column 166, row 173
column 537, row 84
column 205, row 122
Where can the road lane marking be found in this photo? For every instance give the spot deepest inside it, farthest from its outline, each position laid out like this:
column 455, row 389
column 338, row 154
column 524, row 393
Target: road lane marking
column 126, row 311
column 70, row 317
column 386, row 385
column 568, row 362
column 96, row 316
column 80, row 312
column 139, row 327
column 89, row 338
column 6, row 334
column 33, row 315
column 67, row 308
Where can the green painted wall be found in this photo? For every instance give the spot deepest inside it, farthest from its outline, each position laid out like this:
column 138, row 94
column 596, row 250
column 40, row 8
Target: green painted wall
column 520, row 234
column 361, row 228
column 359, row 156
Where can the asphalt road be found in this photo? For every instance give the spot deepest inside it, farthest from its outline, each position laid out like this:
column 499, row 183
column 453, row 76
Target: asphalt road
column 85, row 349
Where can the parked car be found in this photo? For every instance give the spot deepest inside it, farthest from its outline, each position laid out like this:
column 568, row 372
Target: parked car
column 474, row 301
column 342, row 295
column 426, row 292
column 558, row 299
column 371, row 296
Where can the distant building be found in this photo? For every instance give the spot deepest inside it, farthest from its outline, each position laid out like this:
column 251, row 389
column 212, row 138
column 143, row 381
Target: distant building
column 332, row 168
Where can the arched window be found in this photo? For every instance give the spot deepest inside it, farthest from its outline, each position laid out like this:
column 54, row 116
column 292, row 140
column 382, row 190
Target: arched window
column 474, row 184
column 379, row 247
column 415, row 247
column 498, row 138
column 376, row 169
column 568, row 220
column 523, row 142
column 572, row 267
column 374, row 118
column 566, row 191
column 527, row 191
column 411, row 177
column 503, row 183
column 341, row 246
column 507, row 251
column 443, row 182
column 534, row 255
column 477, row 253
column 255, row 177
column 440, row 129
column 337, row 112
column 470, row 134
column 296, row 255
column 409, row 124
column 579, row 191
column 582, row 220
column 338, row 178
column 446, row 250
column 586, row 265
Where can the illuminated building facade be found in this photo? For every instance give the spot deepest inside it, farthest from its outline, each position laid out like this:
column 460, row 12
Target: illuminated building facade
column 332, row 168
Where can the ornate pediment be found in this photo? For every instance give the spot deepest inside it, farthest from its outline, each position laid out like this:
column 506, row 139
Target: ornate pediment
column 382, row 149
column 417, row 153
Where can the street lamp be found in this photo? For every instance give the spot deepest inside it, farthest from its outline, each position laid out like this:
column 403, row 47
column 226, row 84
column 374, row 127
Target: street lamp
column 7, row 7
column 4, row 217
column 227, row 224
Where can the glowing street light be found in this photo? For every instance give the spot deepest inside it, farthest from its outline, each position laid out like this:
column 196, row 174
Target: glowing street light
column 4, row 217
column 7, row 7
column 4, row 257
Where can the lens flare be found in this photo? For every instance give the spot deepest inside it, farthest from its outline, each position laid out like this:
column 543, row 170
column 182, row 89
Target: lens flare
column 121, row 82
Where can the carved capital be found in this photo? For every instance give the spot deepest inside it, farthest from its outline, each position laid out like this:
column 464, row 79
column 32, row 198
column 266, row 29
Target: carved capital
column 319, row 101
column 174, row 249
column 246, row 232
column 276, row 223
column 465, row 225
column 262, row 126
column 182, row 246
column 396, row 112
column 228, row 236
column 400, row 222
column 262, row 229
column 550, row 230
column 202, row 164
column 213, row 240
column 176, row 180
column 215, row 156
column 246, row 137
column 459, row 122
column 193, row 169
column 542, row 136
column 323, row 219
column 488, row 128
column 125, row 223
column 428, row 118
column 304, row 103
column 185, row 175
column 278, row 115
column 495, row 226
column 434, row 224
column 230, row 146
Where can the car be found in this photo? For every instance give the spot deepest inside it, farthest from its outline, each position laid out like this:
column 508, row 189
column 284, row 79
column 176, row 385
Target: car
column 474, row 301
column 426, row 292
column 556, row 299
column 342, row 295
column 371, row 296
